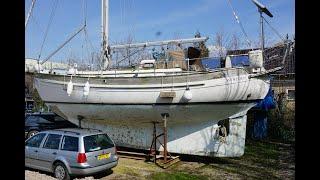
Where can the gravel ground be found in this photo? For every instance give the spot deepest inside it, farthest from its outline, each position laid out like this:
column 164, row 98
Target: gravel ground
column 33, row 175
column 37, row 175
column 262, row 160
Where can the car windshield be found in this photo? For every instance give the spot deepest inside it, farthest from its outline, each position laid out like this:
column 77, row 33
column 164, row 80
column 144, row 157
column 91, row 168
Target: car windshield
column 97, row 142
column 37, row 119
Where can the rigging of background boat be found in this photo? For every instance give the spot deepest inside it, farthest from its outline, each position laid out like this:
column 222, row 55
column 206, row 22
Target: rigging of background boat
column 127, row 101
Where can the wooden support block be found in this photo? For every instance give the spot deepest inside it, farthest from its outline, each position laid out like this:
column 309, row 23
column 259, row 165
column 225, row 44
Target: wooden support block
column 167, row 94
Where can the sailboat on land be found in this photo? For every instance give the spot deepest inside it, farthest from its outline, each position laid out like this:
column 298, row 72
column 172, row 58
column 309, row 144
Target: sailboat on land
column 126, row 102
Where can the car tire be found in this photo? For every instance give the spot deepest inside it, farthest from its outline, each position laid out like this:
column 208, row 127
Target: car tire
column 60, row 172
column 32, row 133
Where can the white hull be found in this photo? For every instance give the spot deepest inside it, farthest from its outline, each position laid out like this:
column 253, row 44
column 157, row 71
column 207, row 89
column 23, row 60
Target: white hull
column 227, row 89
column 127, row 111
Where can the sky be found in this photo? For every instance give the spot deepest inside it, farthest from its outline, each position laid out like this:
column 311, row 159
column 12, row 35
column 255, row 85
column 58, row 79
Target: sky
column 143, row 19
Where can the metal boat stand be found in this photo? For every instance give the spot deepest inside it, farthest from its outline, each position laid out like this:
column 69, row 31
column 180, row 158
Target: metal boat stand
column 164, row 159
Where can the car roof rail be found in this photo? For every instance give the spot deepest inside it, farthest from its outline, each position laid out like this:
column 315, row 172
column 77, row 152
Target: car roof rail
column 66, row 131
column 91, row 129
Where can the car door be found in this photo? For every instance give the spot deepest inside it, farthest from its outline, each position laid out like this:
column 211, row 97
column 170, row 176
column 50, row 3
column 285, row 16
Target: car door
column 49, row 150
column 32, row 148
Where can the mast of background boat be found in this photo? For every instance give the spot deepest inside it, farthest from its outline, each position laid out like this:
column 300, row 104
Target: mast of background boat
column 261, row 31
column 262, row 9
column 105, row 33
column 30, row 11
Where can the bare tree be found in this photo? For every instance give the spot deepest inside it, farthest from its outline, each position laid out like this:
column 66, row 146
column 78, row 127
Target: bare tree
column 128, row 52
column 221, row 40
column 128, row 56
column 234, row 43
column 177, row 35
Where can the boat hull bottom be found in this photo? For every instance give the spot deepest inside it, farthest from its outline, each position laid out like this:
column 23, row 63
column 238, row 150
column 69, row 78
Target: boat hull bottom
column 196, row 134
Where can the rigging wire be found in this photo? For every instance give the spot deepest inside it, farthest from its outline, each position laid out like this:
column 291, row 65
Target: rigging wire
column 84, row 8
column 83, row 35
column 130, row 15
column 131, row 54
column 86, row 40
column 29, row 14
column 61, row 46
column 47, row 29
column 124, row 11
column 34, row 19
column 133, row 16
column 88, row 43
column 239, row 22
column 278, row 34
column 121, row 13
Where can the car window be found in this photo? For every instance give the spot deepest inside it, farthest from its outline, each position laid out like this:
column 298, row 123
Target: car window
column 52, row 141
column 70, row 143
column 97, row 142
column 35, row 140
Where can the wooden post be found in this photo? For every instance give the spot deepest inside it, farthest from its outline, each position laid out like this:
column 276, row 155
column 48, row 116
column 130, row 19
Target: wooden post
column 154, row 141
column 165, row 115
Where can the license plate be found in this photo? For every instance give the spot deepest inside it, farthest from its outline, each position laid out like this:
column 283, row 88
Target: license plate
column 104, row 156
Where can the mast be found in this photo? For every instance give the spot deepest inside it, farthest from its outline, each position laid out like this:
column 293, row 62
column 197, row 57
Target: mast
column 261, row 30
column 262, row 9
column 105, row 32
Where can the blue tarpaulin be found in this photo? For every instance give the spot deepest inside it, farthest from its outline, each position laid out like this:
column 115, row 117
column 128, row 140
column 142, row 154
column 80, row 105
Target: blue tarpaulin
column 236, row 61
column 268, row 102
column 260, row 125
column 260, row 115
column 211, row 63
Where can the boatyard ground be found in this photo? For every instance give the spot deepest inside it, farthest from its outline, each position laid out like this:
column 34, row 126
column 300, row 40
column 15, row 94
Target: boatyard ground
column 262, row 160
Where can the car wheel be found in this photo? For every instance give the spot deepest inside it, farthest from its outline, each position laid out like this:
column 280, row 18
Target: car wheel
column 61, row 172
column 32, row 133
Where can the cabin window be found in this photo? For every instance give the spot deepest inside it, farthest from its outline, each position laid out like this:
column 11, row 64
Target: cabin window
column 291, row 94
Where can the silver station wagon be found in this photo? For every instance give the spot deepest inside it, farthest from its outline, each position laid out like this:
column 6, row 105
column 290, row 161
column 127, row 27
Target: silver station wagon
column 69, row 152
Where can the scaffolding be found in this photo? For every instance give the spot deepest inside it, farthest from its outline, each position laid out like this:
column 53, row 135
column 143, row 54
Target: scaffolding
column 165, row 159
